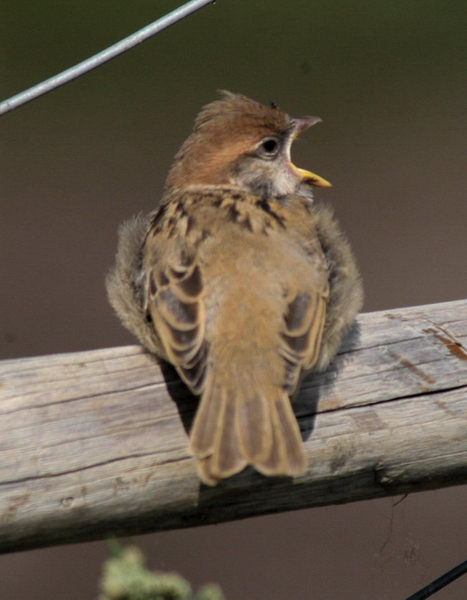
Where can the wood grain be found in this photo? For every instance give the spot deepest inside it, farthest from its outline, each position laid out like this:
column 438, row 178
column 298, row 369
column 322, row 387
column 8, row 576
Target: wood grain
column 95, row 443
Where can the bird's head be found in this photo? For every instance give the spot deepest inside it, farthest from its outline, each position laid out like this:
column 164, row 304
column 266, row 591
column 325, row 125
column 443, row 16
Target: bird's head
column 237, row 141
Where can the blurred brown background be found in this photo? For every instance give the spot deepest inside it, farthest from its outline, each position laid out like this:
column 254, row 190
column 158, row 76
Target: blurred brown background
column 388, row 79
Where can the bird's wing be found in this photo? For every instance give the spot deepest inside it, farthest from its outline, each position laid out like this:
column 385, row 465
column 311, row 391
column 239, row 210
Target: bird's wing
column 307, row 301
column 173, row 293
column 301, row 339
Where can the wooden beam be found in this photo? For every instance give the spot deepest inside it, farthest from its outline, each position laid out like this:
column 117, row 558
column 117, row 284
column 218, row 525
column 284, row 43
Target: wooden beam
column 95, row 443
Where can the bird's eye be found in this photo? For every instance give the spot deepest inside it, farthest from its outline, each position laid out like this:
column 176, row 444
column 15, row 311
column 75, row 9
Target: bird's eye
column 269, row 147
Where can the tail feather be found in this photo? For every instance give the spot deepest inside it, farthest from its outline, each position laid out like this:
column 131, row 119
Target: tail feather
column 208, row 417
column 253, row 424
column 293, row 458
column 227, row 458
column 233, row 429
column 276, row 461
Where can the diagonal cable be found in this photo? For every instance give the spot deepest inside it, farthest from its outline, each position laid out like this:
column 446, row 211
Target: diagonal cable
column 104, row 56
column 440, row 583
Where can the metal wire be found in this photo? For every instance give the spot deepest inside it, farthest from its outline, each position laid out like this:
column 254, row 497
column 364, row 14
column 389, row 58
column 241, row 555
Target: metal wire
column 104, row 56
column 441, row 582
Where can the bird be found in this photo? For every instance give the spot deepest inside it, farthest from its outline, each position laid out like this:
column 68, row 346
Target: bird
column 240, row 281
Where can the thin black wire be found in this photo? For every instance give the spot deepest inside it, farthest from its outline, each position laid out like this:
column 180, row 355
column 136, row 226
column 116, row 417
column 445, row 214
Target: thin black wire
column 441, row 582
column 104, row 56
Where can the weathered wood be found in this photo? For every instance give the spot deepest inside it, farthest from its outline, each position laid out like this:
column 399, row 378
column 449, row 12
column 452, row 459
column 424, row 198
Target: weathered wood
column 92, row 444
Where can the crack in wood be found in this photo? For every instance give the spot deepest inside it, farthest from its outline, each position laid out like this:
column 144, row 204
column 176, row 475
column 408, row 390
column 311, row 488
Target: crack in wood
column 94, row 466
column 422, row 393
column 84, row 397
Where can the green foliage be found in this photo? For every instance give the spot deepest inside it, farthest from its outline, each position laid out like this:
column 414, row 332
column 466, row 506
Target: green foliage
column 126, row 577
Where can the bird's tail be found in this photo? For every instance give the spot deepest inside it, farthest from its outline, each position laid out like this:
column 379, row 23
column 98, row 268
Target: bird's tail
column 238, row 424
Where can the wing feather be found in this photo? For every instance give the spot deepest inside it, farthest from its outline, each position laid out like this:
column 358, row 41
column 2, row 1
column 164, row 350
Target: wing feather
column 301, row 339
column 174, row 301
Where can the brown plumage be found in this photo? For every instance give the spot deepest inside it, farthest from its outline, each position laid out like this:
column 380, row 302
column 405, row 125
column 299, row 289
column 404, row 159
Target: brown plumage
column 239, row 282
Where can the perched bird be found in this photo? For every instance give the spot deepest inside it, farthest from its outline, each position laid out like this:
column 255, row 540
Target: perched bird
column 241, row 283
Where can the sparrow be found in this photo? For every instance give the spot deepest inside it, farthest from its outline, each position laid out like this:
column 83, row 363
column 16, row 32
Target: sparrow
column 241, row 283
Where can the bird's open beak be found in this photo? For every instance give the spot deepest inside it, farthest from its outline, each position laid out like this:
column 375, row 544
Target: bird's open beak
column 299, row 125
